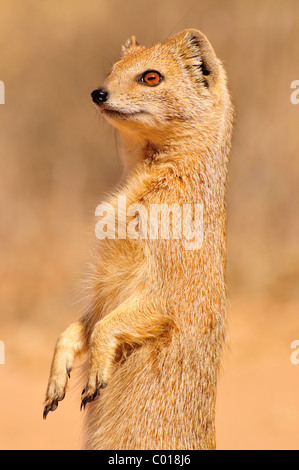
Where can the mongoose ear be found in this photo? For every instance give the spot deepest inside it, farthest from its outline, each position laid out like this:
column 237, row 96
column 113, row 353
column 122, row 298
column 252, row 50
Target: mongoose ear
column 198, row 55
column 131, row 43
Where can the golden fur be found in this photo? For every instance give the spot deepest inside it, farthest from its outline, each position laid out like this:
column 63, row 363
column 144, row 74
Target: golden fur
column 154, row 328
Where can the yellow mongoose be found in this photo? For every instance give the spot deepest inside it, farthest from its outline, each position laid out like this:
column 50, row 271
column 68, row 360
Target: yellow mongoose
column 155, row 325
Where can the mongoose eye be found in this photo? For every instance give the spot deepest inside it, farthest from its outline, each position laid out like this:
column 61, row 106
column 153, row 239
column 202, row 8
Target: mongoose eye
column 151, row 78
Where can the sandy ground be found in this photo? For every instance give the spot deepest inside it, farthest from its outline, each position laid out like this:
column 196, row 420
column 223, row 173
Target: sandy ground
column 257, row 407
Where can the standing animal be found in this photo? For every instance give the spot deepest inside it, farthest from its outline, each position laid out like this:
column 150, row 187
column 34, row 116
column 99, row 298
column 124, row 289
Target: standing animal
column 154, row 327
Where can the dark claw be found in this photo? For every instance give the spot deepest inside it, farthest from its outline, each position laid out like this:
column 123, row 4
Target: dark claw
column 91, row 397
column 87, row 399
column 46, row 411
column 68, row 371
column 52, row 406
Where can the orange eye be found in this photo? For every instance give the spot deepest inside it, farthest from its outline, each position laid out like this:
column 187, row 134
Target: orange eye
column 152, row 77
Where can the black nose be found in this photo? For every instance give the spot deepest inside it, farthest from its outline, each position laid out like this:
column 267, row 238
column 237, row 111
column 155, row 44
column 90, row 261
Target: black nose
column 100, row 95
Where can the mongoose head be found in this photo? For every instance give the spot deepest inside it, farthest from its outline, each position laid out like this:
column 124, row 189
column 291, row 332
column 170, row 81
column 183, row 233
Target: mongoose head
column 165, row 88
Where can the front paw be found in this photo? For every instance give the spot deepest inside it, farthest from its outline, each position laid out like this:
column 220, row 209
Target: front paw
column 92, row 389
column 56, row 391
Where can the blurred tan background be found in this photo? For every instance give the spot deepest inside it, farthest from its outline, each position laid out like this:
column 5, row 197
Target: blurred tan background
column 58, row 159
